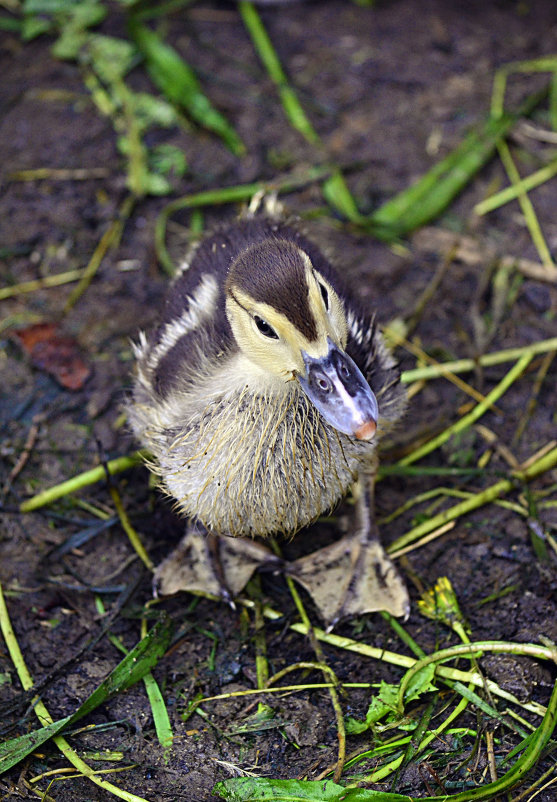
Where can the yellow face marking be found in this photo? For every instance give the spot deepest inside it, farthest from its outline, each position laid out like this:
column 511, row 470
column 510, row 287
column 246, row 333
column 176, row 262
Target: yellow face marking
column 282, row 355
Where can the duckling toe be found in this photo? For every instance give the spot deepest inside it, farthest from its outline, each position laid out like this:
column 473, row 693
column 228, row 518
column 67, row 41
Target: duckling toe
column 351, row 577
column 211, row 565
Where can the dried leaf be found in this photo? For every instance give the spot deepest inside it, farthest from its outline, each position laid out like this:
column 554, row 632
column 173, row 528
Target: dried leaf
column 54, row 353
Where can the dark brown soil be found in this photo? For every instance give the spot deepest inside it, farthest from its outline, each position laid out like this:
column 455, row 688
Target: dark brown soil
column 391, row 89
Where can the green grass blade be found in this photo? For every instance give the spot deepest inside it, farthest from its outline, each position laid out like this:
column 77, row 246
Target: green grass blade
column 161, row 719
column 337, row 195
column 17, row 749
column 175, row 78
column 432, row 193
column 266, row 52
column 335, row 189
column 130, row 670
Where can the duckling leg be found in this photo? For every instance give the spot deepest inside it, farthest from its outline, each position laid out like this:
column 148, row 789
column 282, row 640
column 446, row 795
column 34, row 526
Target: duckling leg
column 211, row 565
column 354, row 575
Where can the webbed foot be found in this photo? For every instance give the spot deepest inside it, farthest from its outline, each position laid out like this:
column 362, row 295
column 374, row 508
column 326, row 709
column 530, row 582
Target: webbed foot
column 354, row 575
column 351, row 577
column 207, row 564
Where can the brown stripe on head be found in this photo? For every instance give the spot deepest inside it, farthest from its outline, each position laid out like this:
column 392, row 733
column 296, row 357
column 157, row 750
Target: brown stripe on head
column 274, row 272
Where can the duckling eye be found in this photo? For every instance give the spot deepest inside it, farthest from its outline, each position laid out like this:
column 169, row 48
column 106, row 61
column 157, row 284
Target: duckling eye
column 324, row 295
column 264, row 327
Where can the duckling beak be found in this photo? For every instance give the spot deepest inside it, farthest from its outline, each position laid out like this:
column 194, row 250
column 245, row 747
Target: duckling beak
column 337, row 388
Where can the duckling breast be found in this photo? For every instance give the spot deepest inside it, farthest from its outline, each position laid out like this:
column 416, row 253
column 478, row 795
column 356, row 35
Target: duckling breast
column 248, row 463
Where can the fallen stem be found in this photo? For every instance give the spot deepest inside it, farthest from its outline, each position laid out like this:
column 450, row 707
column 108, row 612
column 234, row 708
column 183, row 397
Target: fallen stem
column 511, row 193
column 57, row 280
column 133, row 536
column 109, row 239
column 474, row 650
column 234, row 194
column 82, row 480
column 467, row 420
column 487, row 360
column 401, row 660
column 545, row 463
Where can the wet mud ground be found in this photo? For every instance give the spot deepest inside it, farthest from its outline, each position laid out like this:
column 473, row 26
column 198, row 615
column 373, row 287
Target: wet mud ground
column 390, row 90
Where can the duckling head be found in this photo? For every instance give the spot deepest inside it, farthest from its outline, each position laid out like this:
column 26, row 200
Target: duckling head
column 289, row 321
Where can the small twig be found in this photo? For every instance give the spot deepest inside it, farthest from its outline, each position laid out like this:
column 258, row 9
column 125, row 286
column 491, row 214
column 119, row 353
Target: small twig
column 540, row 377
column 52, row 174
column 470, row 252
column 27, row 449
column 490, row 755
column 431, row 288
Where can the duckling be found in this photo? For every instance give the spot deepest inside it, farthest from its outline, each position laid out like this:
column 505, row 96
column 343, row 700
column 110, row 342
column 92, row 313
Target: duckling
column 262, row 395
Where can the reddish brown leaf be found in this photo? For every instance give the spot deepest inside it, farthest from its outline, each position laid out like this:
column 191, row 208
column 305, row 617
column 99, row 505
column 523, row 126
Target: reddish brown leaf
column 54, row 353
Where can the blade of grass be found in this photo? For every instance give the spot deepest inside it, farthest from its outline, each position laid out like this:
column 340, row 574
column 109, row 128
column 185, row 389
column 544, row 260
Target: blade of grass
column 335, row 189
column 268, row 55
column 175, row 78
column 337, row 195
column 431, row 194
column 130, row 670
column 161, row 719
